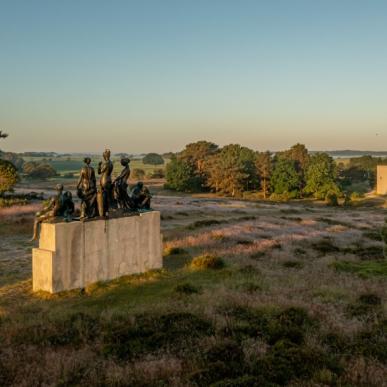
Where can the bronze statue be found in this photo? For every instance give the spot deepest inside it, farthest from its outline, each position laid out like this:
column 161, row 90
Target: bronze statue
column 87, row 190
column 120, row 185
column 105, row 193
column 61, row 205
column 141, row 196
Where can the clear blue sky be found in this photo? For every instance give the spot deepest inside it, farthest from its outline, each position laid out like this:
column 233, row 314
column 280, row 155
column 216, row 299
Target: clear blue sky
column 138, row 76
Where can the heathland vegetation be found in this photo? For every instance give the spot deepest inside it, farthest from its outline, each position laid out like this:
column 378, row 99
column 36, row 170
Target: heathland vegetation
column 252, row 293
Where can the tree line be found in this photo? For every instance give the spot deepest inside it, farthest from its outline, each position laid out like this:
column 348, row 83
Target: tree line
column 234, row 169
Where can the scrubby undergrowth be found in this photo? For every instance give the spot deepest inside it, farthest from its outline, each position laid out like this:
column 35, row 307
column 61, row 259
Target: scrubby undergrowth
column 266, row 300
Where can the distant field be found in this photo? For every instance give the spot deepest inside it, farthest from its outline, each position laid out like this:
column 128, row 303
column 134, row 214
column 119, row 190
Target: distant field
column 73, row 164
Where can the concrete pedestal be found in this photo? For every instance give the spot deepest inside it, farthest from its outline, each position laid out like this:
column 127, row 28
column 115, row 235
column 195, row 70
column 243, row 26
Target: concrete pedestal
column 73, row 255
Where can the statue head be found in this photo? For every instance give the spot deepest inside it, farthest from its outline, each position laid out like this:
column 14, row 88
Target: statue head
column 140, row 184
column 87, row 160
column 125, row 161
column 59, row 187
column 106, row 154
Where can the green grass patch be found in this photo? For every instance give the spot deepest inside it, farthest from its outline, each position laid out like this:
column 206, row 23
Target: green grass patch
column 364, row 269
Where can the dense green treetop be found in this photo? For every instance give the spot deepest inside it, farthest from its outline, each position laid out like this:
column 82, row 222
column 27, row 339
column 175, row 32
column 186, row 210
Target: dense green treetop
column 153, row 159
column 285, row 178
column 321, row 176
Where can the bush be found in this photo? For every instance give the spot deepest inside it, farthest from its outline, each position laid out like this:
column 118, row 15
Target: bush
column 331, row 199
column 356, row 195
column 186, row 288
column 137, row 173
column 153, row 159
column 127, row 339
column 9, row 202
column 37, row 170
column 174, row 251
column 156, row 174
column 207, row 262
column 8, row 176
column 284, row 197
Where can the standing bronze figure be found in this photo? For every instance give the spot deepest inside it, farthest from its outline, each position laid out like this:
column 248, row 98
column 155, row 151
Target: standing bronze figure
column 61, row 205
column 141, row 196
column 105, row 194
column 120, row 185
column 87, row 190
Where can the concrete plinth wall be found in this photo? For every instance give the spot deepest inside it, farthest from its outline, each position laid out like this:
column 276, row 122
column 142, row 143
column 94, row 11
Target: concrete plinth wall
column 73, row 255
column 381, row 179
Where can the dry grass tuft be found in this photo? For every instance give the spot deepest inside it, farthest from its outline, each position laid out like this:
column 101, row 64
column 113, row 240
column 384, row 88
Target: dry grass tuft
column 207, row 261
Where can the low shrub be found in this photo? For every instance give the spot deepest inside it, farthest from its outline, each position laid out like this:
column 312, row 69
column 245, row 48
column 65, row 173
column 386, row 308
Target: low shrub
column 366, row 304
column 207, row 262
column 186, row 288
column 293, row 264
column 126, row 339
column 202, row 223
column 174, row 251
column 257, row 255
column 331, row 199
column 325, row 246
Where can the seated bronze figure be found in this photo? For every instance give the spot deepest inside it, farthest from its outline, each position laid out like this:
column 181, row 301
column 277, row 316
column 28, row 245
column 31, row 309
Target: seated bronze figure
column 61, row 205
column 141, row 196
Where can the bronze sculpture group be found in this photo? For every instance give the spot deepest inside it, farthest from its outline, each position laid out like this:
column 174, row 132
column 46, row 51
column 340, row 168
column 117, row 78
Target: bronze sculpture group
column 111, row 195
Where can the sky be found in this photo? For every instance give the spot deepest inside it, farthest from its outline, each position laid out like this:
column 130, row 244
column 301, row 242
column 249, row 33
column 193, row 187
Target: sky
column 142, row 76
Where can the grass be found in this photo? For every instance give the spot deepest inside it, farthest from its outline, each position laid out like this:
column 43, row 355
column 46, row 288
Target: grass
column 364, row 269
column 223, row 311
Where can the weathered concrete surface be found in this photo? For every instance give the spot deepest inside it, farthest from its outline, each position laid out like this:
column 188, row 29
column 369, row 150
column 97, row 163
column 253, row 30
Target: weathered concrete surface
column 381, row 179
column 73, row 255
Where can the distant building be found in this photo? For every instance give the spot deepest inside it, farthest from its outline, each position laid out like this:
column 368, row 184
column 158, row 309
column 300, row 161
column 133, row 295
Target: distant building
column 381, row 182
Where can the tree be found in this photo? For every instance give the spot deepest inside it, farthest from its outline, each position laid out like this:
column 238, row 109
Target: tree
column 232, row 170
column 14, row 158
column 181, row 176
column 197, row 153
column 321, row 176
column 264, row 168
column 8, row 176
column 285, row 179
column 137, row 173
column 153, row 159
column 37, row 170
column 300, row 156
column 3, row 135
